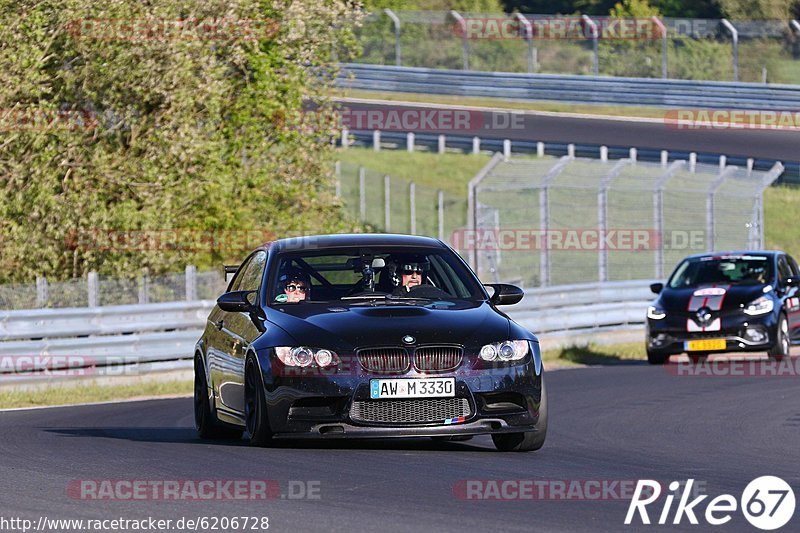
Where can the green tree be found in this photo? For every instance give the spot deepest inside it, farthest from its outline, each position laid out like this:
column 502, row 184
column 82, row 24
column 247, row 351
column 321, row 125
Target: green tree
column 193, row 130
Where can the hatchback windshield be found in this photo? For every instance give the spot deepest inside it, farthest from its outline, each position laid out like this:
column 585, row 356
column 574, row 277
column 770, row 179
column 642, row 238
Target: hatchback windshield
column 359, row 275
column 727, row 270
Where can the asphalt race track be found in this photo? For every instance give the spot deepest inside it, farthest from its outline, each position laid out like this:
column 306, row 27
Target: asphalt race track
column 623, row 422
column 780, row 145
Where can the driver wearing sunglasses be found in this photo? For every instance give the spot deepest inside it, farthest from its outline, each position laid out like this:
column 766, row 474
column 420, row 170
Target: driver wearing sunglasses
column 296, row 286
column 410, row 273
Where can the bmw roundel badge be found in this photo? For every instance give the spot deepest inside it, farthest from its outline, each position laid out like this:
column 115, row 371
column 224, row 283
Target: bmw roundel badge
column 408, row 339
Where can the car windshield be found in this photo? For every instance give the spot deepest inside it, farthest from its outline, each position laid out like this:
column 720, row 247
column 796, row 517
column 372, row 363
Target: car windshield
column 414, row 276
column 722, row 270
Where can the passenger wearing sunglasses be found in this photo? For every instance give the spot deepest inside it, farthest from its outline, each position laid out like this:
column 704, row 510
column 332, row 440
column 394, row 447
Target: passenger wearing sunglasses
column 296, row 286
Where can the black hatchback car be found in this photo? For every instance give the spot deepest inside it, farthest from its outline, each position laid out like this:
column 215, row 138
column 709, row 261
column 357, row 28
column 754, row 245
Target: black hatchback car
column 726, row 302
column 367, row 336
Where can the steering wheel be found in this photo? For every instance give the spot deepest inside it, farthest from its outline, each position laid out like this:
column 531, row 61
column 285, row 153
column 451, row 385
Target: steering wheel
column 426, row 291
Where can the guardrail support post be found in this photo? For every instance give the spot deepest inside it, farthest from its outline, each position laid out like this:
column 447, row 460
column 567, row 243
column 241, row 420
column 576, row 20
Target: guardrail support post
column 664, row 158
column 376, row 140
column 571, row 150
column 387, row 203
column 750, row 162
column 604, row 154
column 410, row 141
column 464, row 37
column 144, row 287
column 191, row 283
column 362, row 194
column 93, row 289
column 442, row 144
column 345, row 138
column 41, row 291
column 396, row 21
column 595, row 35
column 507, row 149
column 528, row 36
column 476, row 145
column 440, row 213
column 412, row 205
column 540, row 149
column 692, row 162
column 735, row 41
column 633, row 154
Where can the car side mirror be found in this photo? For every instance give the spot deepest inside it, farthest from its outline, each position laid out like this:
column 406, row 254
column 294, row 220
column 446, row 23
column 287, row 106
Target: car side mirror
column 505, row 294
column 656, row 287
column 236, row 302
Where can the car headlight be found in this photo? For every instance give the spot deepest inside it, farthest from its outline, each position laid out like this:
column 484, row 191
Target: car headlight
column 655, row 313
column 304, row 356
column 759, row 306
column 504, row 351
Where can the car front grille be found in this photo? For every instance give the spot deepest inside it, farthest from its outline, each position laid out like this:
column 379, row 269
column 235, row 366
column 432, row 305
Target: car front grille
column 391, row 360
column 437, row 358
column 415, row 411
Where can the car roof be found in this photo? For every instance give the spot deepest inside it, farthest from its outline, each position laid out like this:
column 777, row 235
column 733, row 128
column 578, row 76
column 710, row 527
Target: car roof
column 769, row 253
column 317, row 242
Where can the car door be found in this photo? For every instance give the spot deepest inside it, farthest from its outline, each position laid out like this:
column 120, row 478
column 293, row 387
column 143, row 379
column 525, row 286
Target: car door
column 792, row 302
column 240, row 332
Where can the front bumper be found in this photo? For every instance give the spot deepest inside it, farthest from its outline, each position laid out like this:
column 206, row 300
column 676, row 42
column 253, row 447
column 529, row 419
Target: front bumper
column 501, row 400
column 742, row 333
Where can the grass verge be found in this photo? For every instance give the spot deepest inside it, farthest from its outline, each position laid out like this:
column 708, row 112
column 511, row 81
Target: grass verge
column 65, row 395
column 593, row 354
column 517, row 105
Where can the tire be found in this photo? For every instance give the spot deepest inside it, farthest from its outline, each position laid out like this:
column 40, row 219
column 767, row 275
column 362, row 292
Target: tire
column 255, row 405
column 657, row 358
column 781, row 347
column 527, row 441
column 205, row 420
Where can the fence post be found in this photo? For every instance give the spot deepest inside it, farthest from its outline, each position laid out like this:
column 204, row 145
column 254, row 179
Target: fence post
column 337, row 171
column 41, row 291
column 442, row 142
column 440, row 213
column 387, row 203
column 144, row 287
column 664, row 46
column 412, row 204
column 396, row 21
column 362, row 193
column 191, row 283
column 595, row 35
column 376, row 140
column 345, row 138
column 93, row 289
column 464, row 37
column 658, row 213
column 735, row 42
column 710, row 201
column 528, row 37
column 472, row 207
column 544, row 217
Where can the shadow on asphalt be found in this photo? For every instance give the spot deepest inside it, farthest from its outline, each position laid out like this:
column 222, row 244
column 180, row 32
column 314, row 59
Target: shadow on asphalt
column 189, row 436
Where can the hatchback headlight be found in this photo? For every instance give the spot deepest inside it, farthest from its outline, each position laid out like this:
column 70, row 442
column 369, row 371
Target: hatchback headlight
column 504, row 351
column 304, row 356
column 655, row 313
column 759, row 306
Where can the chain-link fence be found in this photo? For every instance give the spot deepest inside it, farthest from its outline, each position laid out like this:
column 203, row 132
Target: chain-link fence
column 549, row 221
column 702, row 49
column 97, row 290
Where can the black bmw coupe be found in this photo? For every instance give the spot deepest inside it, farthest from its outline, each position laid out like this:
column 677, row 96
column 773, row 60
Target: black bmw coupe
column 726, row 302
column 367, row 336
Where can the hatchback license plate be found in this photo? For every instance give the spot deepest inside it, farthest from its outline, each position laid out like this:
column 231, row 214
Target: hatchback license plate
column 412, row 388
column 704, row 345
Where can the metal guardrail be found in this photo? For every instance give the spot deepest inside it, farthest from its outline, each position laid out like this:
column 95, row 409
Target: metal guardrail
column 577, row 89
column 52, row 339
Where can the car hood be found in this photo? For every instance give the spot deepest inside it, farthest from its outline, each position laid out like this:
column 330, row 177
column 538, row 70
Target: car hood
column 716, row 297
column 355, row 326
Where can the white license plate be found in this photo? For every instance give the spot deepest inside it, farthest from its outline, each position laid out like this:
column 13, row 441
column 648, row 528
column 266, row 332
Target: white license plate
column 412, row 388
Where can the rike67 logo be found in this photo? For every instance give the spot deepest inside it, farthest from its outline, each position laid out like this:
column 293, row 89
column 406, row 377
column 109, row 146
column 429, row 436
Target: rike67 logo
column 767, row 503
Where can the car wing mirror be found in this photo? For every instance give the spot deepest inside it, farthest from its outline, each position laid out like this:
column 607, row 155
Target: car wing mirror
column 236, row 302
column 656, row 287
column 505, row 294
